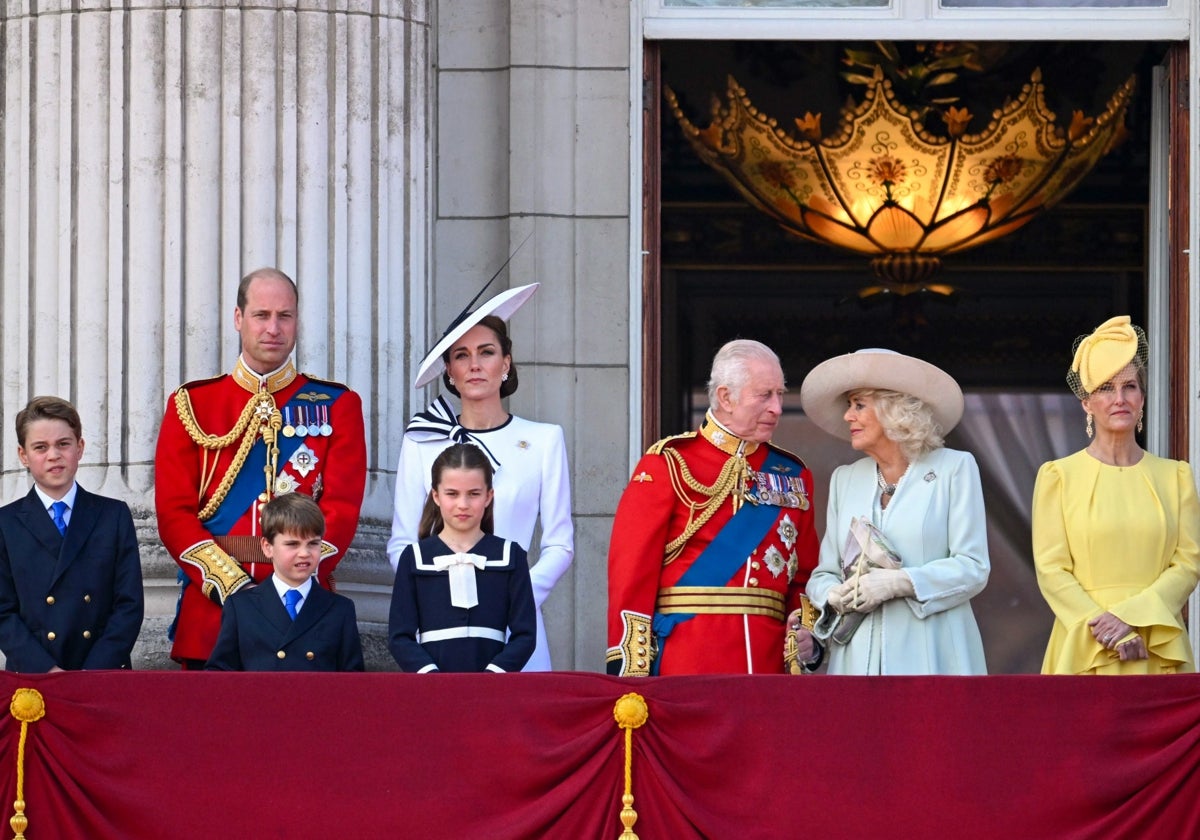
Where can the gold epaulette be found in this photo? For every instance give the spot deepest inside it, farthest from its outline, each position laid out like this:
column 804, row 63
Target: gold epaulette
column 657, row 448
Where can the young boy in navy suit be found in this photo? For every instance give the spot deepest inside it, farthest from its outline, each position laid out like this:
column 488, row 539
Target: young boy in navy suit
column 70, row 572
column 286, row 623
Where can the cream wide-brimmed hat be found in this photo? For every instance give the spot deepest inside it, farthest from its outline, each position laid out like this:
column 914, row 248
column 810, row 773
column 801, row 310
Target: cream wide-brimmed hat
column 503, row 306
column 823, row 394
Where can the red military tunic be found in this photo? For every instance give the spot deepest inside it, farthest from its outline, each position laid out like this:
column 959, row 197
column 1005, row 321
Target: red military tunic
column 329, row 463
column 681, row 480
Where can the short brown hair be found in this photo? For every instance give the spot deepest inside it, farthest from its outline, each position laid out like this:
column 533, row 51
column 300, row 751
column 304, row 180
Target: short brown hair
column 47, row 408
column 292, row 513
column 244, row 286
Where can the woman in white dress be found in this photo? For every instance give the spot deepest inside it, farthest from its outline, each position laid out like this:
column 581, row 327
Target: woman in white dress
column 532, row 477
column 905, row 544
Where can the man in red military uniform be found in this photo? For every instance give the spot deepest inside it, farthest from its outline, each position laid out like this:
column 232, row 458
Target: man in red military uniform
column 229, row 444
column 713, row 540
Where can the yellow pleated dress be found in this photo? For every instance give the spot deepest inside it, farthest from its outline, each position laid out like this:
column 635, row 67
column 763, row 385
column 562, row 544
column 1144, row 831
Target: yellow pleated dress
column 1124, row 540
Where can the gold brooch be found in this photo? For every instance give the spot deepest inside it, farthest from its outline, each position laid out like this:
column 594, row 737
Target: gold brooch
column 643, row 476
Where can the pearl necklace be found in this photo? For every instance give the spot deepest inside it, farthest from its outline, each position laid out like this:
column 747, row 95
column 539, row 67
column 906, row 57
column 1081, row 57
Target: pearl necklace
column 884, row 488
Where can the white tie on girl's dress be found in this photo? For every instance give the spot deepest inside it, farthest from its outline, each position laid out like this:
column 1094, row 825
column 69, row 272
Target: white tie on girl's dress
column 462, row 577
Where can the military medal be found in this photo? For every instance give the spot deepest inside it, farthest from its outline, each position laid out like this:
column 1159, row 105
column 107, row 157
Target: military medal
column 288, row 429
column 304, row 460
column 326, row 429
column 301, row 428
column 779, row 490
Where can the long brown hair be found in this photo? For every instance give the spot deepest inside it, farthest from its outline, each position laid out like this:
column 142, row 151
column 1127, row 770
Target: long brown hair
column 458, row 456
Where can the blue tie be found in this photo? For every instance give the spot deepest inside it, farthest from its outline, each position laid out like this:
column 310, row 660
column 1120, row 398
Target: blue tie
column 59, row 510
column 290, row 599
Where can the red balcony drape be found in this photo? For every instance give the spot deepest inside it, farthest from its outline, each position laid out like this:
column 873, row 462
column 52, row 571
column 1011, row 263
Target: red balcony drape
column 181, row 756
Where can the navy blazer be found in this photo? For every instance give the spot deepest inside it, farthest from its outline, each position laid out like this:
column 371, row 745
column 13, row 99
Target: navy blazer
column 72, row 600
column 257, row 634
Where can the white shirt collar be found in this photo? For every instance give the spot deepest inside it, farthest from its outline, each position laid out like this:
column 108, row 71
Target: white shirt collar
column 69, row 497
column 281, row 587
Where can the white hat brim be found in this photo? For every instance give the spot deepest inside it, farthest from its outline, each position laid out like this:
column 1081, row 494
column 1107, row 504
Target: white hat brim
column 503, row 306
column 823, row 394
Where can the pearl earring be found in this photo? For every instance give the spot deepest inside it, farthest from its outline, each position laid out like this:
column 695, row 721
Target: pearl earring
column 450, row 379
column 1090, row 430
column 504, row 378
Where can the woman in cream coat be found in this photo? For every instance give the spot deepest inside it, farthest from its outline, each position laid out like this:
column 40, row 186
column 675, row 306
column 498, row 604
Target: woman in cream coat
column 924, row 499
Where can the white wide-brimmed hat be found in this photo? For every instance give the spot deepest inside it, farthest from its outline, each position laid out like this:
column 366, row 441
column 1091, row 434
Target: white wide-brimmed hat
column 502, row 306
column 823, row 394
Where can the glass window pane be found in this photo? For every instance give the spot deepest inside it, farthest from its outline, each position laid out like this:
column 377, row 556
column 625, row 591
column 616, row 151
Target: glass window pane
column 1054, row 4
column 774, row 4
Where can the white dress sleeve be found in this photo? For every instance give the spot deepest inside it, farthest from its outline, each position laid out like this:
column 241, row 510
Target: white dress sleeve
column 557, row 547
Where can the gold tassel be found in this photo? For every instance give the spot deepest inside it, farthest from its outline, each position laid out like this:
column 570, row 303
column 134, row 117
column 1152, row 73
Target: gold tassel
column 630, row 713
column 27, row 706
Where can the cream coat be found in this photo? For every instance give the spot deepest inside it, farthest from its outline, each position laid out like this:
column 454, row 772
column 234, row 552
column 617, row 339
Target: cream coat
column 936, row 523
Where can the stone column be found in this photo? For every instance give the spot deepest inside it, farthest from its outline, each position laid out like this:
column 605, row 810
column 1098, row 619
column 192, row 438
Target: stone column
column 533, row 135
column 153, row 154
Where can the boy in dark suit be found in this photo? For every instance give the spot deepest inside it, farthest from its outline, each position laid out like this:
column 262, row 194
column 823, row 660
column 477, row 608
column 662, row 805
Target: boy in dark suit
column 286, row 623
column 70, row 572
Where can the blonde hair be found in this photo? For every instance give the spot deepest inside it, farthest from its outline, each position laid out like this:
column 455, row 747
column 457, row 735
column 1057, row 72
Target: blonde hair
column 906, row 420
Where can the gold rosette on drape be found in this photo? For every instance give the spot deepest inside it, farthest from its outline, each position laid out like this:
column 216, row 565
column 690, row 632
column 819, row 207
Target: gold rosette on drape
column 630, row 712
column 27, row 706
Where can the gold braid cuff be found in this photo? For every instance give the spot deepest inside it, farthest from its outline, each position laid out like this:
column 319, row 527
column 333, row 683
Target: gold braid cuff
column 637, row 649
column 791, row 645
column 259, row 415
column 219, row 572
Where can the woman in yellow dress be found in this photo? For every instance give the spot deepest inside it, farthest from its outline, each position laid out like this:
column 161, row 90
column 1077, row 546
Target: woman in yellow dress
column 1116, row 530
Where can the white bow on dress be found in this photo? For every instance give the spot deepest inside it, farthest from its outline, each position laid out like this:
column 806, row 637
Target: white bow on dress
column 462, row 568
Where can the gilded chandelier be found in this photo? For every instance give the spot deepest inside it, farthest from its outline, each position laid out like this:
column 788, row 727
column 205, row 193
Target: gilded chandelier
column 887, row 186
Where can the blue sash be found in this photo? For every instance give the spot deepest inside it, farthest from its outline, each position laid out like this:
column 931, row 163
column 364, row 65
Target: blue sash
column 250, row 480
column 727, row 552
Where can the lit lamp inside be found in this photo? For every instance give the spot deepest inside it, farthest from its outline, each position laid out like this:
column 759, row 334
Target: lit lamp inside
column 887, row 186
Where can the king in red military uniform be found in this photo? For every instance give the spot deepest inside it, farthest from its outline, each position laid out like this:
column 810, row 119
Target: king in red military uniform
column 229, row 444
column 713, row 540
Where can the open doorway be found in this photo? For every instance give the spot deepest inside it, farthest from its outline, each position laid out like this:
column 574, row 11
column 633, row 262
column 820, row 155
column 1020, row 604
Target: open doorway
column 726, row 271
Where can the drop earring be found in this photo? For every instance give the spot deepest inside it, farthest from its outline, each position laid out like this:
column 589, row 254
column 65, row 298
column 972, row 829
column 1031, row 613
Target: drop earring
column 1139, row 426
column 1090, row 430
column 504, row 378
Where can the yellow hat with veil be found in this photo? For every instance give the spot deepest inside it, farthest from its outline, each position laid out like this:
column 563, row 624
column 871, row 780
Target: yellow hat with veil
column 1103, row 353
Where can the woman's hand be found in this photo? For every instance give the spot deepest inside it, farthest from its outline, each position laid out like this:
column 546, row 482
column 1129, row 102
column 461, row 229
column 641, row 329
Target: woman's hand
column 882, row 585
column 1107, row 629
column 1135, row 648
column 841, row 597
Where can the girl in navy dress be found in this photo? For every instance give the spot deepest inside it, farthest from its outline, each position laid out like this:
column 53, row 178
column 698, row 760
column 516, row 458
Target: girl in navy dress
column 462, row 600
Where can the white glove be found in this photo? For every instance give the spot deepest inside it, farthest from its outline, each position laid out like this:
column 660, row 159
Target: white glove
column 882, row 585
column 840, row 598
